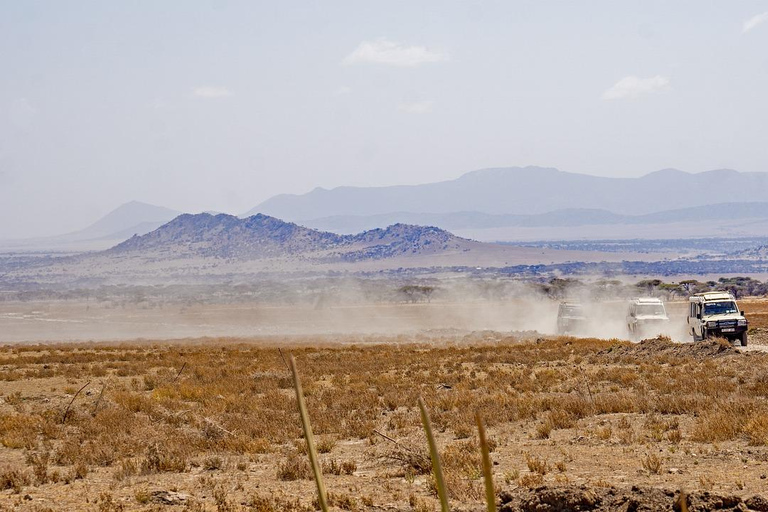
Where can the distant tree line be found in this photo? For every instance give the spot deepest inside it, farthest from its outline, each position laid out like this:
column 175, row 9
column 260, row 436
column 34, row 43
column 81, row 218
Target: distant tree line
column 330, row 291
column 562, row 288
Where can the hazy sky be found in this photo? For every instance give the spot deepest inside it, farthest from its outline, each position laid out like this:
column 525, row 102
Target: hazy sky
column 219, row 105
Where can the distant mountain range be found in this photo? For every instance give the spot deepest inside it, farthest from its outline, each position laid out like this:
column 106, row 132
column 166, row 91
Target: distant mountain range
column 503, row 204
column 526, row 191
column 127, row 220
column 536, row 203
column 574, row 217
column 123, row 222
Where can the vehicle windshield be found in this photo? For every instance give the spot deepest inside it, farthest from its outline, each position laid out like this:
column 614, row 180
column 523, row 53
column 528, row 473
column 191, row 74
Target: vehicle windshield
column 651, row 310
column 720, row 308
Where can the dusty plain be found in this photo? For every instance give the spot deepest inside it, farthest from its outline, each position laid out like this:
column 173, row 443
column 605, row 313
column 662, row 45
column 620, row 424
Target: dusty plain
column 211, row 423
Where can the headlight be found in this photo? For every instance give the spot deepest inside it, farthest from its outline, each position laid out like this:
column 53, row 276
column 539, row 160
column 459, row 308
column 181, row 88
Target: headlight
column 712, row 324
column 742, row 322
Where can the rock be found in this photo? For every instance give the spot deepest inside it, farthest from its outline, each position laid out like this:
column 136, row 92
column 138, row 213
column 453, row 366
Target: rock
column 636, row 498
column 757, row 503
column 168, row 498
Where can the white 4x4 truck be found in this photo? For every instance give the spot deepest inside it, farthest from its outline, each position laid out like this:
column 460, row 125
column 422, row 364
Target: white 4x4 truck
column 716, row 315
column 646, row 317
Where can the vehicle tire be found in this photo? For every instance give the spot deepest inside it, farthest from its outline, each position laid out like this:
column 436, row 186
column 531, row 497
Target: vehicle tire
column 703, row 335
column 744, row 339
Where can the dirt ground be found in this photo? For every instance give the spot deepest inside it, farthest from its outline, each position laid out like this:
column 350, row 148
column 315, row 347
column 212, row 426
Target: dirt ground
column 212, row 424
column 77, row 320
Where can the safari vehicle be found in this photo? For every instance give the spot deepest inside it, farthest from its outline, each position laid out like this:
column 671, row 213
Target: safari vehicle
column 646, row 317
column 716, row 314
column 570, row 318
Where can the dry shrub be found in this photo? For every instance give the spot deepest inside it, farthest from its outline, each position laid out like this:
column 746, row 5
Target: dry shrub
column 419, row 505
column 13, row 398
column 543, row 430
column 276, row 503
column 675, row 436
column 127, row 469
column 566, row 417
column 413, row 461
column 80, row 471
column 160, row 459
column 107, row 503
column 19, row 430
column 326, row 444
column 342, row 501
column 459, row 487
column 604, row 433
column 334, row 467
column 13, row 478
column 463, row 458
column 39, row 463
column 536, row 464
column 213, row 463
column 657, row 426
column 756, row 430
column 531, row 480
column 652, row 463
column 723, row 422
column 323, row 444
column 294, row 467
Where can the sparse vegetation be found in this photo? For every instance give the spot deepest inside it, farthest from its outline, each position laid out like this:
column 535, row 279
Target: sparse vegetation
column 232, row 411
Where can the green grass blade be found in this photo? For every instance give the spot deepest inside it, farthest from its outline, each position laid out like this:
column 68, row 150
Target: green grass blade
column 322, row 498
column 437, row 468
column 490, row 494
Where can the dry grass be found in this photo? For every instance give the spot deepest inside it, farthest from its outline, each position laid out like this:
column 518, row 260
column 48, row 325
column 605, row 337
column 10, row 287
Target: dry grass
column 233, row 408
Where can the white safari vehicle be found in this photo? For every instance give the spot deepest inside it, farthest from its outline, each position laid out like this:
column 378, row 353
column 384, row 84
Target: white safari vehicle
column 646, row 317
column 716, row 315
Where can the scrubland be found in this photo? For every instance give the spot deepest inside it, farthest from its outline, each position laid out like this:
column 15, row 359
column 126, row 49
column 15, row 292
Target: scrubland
column 212, row 424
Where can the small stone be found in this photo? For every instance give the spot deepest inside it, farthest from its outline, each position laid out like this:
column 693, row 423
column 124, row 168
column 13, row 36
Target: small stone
column 757, row 503
column 168, row 497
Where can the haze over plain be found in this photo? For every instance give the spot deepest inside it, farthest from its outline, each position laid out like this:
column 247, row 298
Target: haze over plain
column 222, row 105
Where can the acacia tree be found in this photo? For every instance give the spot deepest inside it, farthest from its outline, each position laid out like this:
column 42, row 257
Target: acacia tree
column 416, row 293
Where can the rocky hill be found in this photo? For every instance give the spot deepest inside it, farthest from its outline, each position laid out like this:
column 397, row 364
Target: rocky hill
column 207, row 248
column 402, row 240
column 225, row 236
column 261, row 236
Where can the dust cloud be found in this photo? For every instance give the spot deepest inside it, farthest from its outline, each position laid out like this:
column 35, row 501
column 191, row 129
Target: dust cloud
column 324, row 307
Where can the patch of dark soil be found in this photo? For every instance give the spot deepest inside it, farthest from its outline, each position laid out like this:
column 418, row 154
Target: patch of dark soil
column 664, row 347
column 602, row 499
